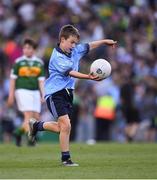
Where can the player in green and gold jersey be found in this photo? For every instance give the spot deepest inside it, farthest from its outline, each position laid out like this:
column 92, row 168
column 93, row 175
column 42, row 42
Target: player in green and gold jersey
column 26, row 84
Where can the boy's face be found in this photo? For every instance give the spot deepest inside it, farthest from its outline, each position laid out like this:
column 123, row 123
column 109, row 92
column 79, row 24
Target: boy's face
column 28, row 50
column 68, row 44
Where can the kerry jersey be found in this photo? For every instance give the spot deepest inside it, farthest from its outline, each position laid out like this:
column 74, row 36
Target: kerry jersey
column 27, row 72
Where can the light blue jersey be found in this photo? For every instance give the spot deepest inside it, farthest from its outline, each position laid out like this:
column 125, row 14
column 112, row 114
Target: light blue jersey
column 59, row 67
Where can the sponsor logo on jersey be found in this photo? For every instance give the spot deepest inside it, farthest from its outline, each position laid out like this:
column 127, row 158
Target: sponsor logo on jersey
column 29, row 71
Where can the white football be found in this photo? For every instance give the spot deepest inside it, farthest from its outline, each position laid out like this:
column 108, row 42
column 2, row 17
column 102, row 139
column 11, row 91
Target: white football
column 101, row 68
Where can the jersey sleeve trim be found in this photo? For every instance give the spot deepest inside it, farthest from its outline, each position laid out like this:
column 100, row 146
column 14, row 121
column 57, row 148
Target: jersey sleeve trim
column 41, row 78
column 87, row 48
column 13, row 76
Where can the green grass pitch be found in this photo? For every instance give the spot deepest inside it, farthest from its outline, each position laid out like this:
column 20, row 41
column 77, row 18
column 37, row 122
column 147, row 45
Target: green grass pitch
column 99, row 161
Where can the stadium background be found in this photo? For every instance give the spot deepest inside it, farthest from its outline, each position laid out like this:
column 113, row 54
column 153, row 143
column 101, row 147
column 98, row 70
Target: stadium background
column 133, row 23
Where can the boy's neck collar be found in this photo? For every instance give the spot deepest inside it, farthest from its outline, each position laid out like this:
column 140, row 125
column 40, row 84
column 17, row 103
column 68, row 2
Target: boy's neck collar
column 30, row 58
column 61, row 51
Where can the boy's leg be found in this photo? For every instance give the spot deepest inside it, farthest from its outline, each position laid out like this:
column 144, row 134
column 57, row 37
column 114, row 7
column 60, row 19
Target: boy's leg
column 36, row 115
column 27, row 116
column 24, row 128
column 65, row 128
column 36, row 126
column 51, row 126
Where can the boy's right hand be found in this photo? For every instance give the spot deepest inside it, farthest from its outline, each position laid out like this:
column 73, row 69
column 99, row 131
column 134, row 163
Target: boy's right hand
column 42, row 100
column 94, row 77
column 10, row 101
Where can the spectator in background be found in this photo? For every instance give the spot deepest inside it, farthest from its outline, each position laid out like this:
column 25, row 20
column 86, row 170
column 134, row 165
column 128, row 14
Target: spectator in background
column 12, row 50
column 105, row 115
column 145, row 100
column 26, row 83
column 7, row 124
column 129, row 110
column 3, row 63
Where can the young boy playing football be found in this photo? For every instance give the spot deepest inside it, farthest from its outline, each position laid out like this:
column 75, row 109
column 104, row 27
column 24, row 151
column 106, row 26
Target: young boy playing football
column 63, row 69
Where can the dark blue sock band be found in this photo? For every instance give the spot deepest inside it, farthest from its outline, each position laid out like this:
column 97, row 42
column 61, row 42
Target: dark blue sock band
column 65, row 156
column 40, row 126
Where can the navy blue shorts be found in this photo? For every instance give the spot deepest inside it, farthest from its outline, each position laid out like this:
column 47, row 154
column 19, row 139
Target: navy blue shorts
column 61, row 103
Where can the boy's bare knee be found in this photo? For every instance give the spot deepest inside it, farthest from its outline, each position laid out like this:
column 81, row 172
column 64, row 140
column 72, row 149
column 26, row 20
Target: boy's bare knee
column 64, row 124
column 65, row 128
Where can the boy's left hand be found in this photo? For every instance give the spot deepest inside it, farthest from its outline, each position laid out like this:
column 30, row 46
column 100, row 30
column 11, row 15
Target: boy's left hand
column 110, row 42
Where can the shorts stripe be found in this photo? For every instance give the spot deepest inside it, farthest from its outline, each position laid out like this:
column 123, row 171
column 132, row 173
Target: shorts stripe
column 53, row 108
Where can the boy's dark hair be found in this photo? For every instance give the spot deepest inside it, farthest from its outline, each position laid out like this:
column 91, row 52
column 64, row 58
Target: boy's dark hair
column 67, row 31
column 31, row 42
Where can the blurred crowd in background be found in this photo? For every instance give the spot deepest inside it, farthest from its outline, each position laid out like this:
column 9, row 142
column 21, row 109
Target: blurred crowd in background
column 131, row 90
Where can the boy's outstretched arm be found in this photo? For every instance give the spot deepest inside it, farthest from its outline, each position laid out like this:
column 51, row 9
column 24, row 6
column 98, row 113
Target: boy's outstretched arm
column 96, row 44
column 79, row 75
